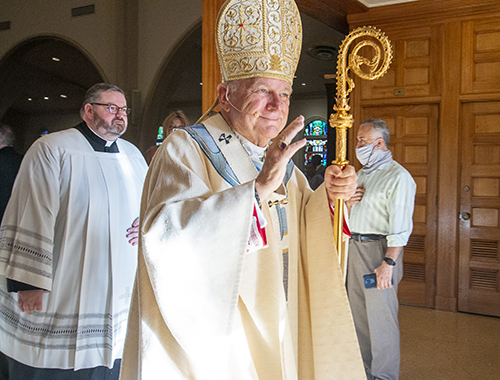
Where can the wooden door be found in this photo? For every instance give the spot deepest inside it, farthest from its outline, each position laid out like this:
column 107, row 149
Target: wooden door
column 479, row 218
column 415, row 69
column 414, row 131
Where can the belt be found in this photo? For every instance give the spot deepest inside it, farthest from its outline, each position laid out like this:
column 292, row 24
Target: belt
column 367, row 237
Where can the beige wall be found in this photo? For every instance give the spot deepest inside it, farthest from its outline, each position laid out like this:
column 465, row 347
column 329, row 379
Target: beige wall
column 162, row 23
column 96, row 34
column 105, row 36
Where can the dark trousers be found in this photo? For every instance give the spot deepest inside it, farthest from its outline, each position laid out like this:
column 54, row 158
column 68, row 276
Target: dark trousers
column 11, row 369
column 375, row 312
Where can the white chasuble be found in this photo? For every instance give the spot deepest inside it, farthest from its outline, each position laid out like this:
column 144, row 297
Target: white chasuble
column 64, row 231
column 204, row 308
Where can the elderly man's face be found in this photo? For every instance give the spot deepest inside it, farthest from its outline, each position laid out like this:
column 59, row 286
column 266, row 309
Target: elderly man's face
column 107, row 125
column 366, row 135
column 260, row 108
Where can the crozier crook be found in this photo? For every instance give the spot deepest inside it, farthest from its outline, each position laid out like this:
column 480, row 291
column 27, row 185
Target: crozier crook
column 341, row 119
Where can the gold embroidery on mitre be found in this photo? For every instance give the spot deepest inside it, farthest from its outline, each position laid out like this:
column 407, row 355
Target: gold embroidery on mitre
column 258, row 38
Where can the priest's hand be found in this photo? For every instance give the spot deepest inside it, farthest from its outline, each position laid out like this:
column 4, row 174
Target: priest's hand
column 340, row 184
column 133, row 232
column 277, row 156
column 30, row 300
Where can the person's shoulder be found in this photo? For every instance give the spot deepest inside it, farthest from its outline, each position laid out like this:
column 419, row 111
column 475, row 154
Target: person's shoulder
column 60, row 139
column 192, row 136
column 125, row 145
column 401, row 173
column 399, row 169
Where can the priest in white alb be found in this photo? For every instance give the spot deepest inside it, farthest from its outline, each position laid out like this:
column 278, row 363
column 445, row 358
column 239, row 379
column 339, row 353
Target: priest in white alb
column 64, row 251
column 238, row 276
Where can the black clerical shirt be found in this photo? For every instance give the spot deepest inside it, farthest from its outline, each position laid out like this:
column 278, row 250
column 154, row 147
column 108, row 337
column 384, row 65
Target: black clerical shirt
column 98, row 143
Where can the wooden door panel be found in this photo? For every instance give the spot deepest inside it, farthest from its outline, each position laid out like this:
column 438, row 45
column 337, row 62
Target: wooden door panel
column 481, row 56
column 415, row 66
column 479, row 226
column 414, row 145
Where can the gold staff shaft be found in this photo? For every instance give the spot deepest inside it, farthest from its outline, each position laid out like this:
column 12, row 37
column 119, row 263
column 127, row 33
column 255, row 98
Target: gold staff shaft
column 342, row 120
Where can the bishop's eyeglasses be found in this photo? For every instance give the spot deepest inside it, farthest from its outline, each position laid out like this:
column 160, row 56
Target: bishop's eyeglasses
column 114, row 109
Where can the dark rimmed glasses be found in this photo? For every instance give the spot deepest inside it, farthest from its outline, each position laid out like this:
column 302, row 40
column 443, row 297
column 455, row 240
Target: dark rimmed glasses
column 114, row 109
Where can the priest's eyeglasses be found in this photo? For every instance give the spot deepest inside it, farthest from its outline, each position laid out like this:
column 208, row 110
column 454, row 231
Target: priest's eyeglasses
column 114, row 109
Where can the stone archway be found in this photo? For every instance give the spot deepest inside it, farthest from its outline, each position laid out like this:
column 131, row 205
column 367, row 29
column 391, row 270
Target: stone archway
column 42, row 83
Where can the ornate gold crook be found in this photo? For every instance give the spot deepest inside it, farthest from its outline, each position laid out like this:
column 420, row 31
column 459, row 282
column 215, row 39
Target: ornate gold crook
column 342, row 120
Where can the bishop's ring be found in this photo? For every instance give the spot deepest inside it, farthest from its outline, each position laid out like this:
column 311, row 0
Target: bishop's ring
column 282, row 144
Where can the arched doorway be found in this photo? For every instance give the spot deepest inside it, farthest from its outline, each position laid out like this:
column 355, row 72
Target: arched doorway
column 42, row 83
column 177, row 87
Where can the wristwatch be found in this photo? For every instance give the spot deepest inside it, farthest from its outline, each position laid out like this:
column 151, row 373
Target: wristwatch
column 389, row 261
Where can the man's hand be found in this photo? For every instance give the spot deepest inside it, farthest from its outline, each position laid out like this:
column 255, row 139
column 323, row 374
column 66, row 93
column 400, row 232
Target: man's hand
column 340, row 184
column 384, row 275
column 274, row 168
column 133, row 232
column 384, row 271
column 356, row 198
column 30, row 300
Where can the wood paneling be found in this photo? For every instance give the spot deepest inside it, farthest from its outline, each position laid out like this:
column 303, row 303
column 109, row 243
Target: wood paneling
column 428, row 12
column 415, row 68
column 479, row 277
column 481, row 56
column 211, row 76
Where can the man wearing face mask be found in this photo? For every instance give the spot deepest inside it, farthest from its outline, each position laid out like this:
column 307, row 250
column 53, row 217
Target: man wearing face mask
column 381, row 213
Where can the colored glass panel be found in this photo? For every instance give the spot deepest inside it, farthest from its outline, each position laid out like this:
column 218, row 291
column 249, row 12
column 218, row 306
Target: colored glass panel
column 159, row 136
column 316, row 147
column 316, row 128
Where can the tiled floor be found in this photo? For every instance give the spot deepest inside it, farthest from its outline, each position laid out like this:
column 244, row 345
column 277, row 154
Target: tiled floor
column 438, row 345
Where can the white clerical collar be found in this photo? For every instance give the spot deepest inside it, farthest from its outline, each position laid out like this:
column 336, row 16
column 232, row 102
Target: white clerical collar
column 254, row 151
column 108, row 143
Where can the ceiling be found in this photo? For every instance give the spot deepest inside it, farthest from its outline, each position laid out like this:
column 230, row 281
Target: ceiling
column 334, row 12
column 48, row 75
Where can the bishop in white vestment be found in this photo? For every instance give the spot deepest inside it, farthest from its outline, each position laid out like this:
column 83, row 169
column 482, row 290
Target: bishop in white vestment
column 238, row 277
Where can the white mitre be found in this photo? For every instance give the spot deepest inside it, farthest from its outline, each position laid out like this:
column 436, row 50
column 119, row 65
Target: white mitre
column 258, row 38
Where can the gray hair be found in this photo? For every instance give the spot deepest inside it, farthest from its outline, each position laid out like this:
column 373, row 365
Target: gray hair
column 93, row 94
column 7, row 136
column 378, row 125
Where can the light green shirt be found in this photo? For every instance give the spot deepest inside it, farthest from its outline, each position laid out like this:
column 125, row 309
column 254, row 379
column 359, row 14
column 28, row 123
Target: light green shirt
column 387, row 205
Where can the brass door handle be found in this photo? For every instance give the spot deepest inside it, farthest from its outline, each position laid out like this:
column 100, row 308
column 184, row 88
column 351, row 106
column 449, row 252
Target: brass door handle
column 464, row 216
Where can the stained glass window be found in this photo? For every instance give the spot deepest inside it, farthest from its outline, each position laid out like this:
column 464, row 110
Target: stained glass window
column 316, row 128
column 159, row 136
column 316, row 147
column 316, row 134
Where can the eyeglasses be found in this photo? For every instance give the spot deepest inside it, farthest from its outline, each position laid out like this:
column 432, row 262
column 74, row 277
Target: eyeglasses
column 114, row 109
